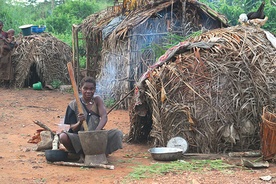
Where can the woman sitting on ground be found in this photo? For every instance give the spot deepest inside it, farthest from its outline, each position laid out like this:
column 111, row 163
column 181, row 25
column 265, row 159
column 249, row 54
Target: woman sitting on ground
column 96, row 117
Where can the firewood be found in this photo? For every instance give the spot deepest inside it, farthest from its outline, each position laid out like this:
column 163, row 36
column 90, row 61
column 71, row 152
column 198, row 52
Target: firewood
column 44, row 126
column 75, row 164
column 245, row 154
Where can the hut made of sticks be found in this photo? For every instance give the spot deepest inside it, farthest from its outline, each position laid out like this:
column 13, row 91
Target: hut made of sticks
column 40, row 57
column 210, row 90
column 118, row 40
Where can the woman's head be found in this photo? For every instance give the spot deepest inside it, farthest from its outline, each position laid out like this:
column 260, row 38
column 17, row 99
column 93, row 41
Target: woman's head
column 88, row 87
column 87, row 79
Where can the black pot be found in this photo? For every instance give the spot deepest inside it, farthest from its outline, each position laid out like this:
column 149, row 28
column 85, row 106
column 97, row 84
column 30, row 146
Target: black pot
column 56, row 155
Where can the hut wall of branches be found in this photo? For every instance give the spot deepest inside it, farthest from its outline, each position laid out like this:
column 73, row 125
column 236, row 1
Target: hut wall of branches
column 210, row 90
column 40, row 57
column 118, row 60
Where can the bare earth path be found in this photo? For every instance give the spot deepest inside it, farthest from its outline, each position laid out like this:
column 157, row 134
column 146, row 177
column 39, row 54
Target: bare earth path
column 19, row 163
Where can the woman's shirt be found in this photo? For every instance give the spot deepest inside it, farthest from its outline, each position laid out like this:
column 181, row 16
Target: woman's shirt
column 92, row 116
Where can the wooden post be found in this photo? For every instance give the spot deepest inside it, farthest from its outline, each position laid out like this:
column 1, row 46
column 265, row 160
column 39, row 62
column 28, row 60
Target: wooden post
column 75, row 50
column 73, row 46
column 171, row 24
column 183, row 12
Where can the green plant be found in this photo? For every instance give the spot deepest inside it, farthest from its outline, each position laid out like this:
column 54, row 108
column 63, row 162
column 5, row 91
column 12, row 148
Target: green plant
column 109, row 102
column 143, row 171
column 82, row 60
column 170, row 40
column 56, row 83
column 70, row 91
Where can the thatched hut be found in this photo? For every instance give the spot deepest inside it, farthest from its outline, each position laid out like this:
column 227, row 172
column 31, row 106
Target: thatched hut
column 40, row 57
column 210, row 90
column 119, row 39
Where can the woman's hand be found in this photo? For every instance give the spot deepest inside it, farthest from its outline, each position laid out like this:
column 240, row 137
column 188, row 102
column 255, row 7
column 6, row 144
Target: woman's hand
column 76, row 127
column 81, row 118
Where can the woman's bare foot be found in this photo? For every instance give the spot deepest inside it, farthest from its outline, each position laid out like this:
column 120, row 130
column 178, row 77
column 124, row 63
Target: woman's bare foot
column 81, row 160
column 62, row 147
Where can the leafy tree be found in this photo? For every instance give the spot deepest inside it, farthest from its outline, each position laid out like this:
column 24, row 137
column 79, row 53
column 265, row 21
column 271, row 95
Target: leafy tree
column 69, row 13
column 77, row 9
column 233, row 8
column 59, row 15
column 270, row 25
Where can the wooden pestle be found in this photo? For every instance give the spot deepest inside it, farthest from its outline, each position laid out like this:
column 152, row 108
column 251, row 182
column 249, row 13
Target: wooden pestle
column 76, row 93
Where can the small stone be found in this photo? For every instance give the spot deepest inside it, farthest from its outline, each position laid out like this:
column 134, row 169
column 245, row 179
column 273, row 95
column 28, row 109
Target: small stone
column 266, row 178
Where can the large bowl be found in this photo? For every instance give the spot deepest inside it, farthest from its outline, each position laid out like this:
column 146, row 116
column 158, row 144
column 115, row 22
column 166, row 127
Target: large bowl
column 56, row 155
column 165, row 153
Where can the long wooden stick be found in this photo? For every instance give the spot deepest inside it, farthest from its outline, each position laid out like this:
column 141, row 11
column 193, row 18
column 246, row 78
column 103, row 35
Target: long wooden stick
column 256, row 153
column 44, row 126
column 76, row 92
column 75, row 164
column 117, row 103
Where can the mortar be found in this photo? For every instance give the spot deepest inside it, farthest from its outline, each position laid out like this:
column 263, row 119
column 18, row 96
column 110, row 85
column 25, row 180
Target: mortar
column 94, row 146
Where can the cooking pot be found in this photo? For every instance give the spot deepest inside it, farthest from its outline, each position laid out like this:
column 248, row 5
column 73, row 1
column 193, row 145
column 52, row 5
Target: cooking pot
column 166, row 153
column 56, row 155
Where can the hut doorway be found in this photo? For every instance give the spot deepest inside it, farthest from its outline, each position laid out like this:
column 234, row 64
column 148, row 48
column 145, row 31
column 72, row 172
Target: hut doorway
column 33, row 76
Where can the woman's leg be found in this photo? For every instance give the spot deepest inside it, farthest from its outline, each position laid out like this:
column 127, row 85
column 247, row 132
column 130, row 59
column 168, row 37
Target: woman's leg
column 65, row 140
column 115, row 141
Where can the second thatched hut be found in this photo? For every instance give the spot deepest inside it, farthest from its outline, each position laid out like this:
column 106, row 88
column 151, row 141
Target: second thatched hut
column 210, row 90
column 118, row 40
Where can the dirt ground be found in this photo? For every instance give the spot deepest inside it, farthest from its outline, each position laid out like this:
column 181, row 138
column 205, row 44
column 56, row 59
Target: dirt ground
column 20, row 163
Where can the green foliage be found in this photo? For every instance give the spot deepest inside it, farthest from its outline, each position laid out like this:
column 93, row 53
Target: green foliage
column 69, row 13
column 231, row 12
column 172, row 39
column 143, row 171
column 58, row 19
column 65, row 37
column 271, row 22
column 58, row 24
column 107, row 3
column 77, row 9
column 82, row 61
column 109, row 102
column 56, row 84
column 42, row 11
column 169, row 41
column 233, row 8
column 193, row 35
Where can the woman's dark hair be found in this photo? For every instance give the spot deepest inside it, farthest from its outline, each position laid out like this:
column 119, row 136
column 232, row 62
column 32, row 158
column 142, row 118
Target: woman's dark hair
column 87, row 79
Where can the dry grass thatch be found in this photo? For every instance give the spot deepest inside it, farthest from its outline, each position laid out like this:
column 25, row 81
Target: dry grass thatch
column 95, row 23
column 41, row 57
column 91, row 29
column 142, row 14
column 210, row 90
column 127, row 46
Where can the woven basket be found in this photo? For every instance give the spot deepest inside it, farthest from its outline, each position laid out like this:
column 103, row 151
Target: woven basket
column 268, row 135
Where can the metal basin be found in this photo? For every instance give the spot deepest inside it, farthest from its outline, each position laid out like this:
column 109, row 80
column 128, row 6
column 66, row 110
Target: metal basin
column 165, row 153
